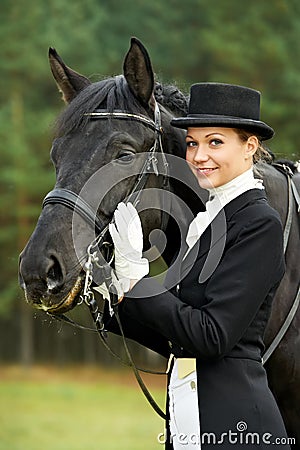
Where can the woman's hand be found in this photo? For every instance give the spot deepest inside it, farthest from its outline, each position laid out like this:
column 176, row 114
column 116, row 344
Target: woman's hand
column 127, row 236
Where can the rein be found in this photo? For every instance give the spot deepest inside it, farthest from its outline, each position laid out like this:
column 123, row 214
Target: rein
column 293, row 195
column 74, row 202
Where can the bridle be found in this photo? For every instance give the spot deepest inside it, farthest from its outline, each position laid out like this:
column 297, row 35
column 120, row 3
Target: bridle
column 78, row 205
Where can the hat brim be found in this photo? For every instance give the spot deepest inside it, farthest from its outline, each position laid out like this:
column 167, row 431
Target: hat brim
column 259, row 128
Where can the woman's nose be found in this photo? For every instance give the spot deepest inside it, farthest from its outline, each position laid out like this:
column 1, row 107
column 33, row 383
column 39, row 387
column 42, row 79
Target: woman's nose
column 201, row 154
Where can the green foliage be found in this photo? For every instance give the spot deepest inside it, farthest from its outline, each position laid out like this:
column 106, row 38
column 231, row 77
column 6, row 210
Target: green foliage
column 255, row 44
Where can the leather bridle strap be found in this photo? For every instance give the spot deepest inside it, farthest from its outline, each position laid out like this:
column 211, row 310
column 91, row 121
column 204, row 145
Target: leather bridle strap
column 138, row 377
column 103, row 114
column 74, row 203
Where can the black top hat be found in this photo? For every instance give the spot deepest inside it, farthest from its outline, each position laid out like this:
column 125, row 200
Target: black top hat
column 224, row 105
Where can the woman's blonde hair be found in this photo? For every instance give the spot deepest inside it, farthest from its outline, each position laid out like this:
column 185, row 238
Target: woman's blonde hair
column 262, row 153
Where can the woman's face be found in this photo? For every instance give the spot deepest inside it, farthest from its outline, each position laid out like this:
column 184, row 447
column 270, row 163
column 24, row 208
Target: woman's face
column 217, row 155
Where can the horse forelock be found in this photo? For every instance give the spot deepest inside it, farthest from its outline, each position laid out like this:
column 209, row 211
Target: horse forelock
column 110, row 93
column 114, row 93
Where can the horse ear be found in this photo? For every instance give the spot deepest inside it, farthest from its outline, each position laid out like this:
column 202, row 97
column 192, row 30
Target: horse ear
column 138, row 72
column 69, row 82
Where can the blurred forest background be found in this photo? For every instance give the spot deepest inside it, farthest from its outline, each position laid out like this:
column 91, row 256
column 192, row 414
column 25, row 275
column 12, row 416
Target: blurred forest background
column 254, row 43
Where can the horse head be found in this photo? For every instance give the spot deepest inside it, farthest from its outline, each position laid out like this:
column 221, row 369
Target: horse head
column 101, row 146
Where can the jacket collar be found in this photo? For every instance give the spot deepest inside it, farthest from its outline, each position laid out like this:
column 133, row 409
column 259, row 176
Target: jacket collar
column 243, row 200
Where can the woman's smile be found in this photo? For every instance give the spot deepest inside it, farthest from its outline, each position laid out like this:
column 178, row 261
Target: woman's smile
column 205, row 170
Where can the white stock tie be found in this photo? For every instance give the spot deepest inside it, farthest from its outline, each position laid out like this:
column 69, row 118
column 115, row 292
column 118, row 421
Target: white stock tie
column 219, row 197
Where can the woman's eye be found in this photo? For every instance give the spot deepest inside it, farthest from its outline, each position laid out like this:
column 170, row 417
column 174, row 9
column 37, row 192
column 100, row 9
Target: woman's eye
column 191, row 144
column 215, row 142
column 125, row 156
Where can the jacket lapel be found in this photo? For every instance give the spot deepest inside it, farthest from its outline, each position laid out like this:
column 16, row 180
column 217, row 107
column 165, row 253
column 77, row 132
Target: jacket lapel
column 212, row 242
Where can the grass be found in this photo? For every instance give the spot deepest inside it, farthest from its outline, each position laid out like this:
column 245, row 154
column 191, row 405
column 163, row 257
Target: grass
column 77, row 409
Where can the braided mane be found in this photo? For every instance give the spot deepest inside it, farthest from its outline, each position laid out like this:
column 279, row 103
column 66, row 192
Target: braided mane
column 172, row 98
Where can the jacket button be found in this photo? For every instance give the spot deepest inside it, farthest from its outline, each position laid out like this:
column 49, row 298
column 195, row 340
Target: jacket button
column 193, row 385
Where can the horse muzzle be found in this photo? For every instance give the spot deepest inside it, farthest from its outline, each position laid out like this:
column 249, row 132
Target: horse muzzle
column 45, row 286
column 40, row 298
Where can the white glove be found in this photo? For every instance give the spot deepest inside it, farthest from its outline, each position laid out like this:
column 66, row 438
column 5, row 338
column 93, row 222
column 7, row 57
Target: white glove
column 127, row 236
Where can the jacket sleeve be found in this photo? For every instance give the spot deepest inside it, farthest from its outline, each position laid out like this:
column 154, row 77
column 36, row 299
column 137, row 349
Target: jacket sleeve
column 248, row 270
column 135, row 330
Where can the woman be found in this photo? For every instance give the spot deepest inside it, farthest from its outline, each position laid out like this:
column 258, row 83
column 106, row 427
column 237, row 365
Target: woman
column 213, row 320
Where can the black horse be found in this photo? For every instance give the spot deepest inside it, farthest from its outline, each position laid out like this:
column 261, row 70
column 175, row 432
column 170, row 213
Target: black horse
column 103, row 142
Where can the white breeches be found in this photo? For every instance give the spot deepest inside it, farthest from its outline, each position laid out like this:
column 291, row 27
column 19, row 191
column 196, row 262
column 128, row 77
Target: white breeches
column 184, row 411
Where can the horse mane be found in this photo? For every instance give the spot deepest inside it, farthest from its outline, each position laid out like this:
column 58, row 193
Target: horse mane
column 114, row 93
column 172, row 98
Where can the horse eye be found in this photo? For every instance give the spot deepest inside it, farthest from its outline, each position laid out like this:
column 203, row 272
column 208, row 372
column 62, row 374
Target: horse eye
column 125, row 156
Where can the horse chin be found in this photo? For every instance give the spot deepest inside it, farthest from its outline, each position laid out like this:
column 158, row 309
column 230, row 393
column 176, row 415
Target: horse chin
column 70, row 301
column 66, row 304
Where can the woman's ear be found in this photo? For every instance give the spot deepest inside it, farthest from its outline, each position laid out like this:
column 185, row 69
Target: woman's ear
column 251, row 146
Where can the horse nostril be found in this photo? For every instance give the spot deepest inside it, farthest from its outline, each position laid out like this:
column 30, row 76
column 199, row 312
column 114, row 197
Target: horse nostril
column 54, row 277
